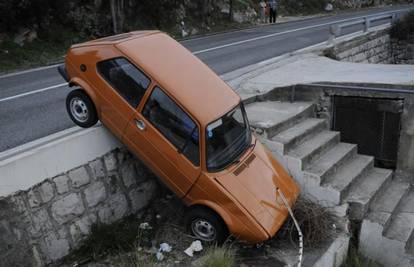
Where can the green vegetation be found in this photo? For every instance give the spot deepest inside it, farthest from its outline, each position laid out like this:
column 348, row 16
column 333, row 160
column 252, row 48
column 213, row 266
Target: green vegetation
column 218, row 257
column 46, row 49
column 355, row 259
column 403, row 27
column 112, row 239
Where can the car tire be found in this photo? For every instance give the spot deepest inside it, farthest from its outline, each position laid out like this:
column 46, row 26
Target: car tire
column 81, row 109
column 206, row 225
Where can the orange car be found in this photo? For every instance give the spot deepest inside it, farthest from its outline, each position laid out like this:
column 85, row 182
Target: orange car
column 187, row 125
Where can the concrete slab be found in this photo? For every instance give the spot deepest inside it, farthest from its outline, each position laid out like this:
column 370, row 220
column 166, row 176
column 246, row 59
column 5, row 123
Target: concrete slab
column 267, row 114
column 314, row 68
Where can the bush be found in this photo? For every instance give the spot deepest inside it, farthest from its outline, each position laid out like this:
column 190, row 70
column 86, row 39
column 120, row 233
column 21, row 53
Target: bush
column 403, row 27
column 303, row 6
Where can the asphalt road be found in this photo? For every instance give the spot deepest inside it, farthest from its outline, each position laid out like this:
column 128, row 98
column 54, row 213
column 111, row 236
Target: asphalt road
column 32, row 104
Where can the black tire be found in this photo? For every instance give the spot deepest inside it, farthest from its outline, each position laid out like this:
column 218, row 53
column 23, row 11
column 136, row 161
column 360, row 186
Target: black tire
column 81, row 109
column 198, row 216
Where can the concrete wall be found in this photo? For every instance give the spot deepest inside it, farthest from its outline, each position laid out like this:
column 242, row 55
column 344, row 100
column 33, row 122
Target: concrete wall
column 44, row 221
column 323, row 97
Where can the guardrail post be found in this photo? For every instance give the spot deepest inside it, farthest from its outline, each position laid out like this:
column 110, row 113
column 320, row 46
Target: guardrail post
column 367, row 24
column 335, row 31
column 394, row 18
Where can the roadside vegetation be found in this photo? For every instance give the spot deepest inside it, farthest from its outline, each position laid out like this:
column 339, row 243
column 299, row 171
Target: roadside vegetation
column 355, row 259
column 38, row 32
column 135, row 240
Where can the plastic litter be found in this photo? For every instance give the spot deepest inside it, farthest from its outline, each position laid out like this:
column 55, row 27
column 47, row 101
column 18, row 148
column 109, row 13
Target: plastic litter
column 165, row 247
column 196, row 246
column 159, row 256
column 145, row 226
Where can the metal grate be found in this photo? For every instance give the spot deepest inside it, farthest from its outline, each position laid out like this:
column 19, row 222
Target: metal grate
column 372, row 123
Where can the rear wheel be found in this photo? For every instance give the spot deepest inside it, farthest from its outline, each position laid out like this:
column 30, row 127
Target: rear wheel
column 206, row 225
column 81, row 109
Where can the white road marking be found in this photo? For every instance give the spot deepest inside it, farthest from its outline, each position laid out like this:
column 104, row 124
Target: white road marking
column 289, row 31
column 195, row 53
column 33, row 92
column 28, row 71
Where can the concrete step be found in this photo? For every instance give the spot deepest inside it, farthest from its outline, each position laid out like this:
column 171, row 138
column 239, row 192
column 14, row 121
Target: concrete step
column 365, row 189
column 384, row 205
column 274, row 117
column 383, row 250
column 301, row 155
column 328, row 162
column 297, row 133
column 401, row 225
column 337, row 185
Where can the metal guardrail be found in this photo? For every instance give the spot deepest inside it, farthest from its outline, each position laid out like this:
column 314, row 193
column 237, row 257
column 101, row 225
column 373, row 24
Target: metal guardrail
column 336, row 30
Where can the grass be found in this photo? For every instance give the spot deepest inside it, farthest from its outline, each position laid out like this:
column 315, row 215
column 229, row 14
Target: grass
column 218, row 257
column 355, row 259
column 112, row 239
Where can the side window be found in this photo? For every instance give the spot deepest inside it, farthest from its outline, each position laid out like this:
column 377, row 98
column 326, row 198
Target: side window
column 125, row 78
column 173, row 123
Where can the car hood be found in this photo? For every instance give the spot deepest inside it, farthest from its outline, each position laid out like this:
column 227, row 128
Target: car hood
column 254, row 184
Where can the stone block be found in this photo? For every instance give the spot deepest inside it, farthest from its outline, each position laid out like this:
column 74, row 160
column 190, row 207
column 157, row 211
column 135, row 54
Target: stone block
column 81, row 228
column 46, row 191
column 79, row 177
column 54, row 247
column 67, row 208
column 33, row 199
column 110, row 162
column 97, row 168
column 37, row 258
column 115, row 208
column 40, row 222
column 18, row 203
column 128, row 174
column 95, row 194
column 141, row 196
column 61, row 183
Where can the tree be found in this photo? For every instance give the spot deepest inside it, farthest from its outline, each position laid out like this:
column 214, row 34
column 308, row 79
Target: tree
column 231, row 10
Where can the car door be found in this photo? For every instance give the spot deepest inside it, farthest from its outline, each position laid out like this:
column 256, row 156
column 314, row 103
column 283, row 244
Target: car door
column 167, row 139
column 122, row 87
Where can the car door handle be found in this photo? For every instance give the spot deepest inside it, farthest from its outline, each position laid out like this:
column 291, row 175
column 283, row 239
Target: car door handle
column 140, row 124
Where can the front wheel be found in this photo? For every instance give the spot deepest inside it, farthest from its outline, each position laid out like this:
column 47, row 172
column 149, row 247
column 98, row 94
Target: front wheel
column 206, row 225
column 81, row 109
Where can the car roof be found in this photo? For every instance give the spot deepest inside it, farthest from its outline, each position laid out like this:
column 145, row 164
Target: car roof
column 114, row 39
column 181, row 74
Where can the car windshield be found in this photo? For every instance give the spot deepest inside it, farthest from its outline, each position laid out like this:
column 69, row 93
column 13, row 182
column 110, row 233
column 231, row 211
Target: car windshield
column 227, row 138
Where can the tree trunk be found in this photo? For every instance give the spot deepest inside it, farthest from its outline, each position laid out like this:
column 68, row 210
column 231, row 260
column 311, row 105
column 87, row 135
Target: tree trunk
column 231, row 10
column 113, row 14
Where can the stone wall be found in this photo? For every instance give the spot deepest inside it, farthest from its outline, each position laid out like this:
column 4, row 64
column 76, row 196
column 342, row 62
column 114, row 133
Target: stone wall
column 46, row 222
column 374, row 47
column 403, row 50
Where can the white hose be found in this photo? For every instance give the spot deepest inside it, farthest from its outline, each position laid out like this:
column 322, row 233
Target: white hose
column 296, row 225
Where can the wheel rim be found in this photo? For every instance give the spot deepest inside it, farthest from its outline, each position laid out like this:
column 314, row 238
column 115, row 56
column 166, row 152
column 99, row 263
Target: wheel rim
column 203, row 230
column 79, row 109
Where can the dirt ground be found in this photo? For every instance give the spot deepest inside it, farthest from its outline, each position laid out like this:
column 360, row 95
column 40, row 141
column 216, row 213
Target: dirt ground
column 165, row 218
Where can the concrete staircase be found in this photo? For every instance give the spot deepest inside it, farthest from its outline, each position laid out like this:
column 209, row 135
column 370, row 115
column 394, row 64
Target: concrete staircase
column 334, row 173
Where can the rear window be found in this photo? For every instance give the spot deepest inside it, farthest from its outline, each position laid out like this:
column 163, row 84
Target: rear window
column 125, row 78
